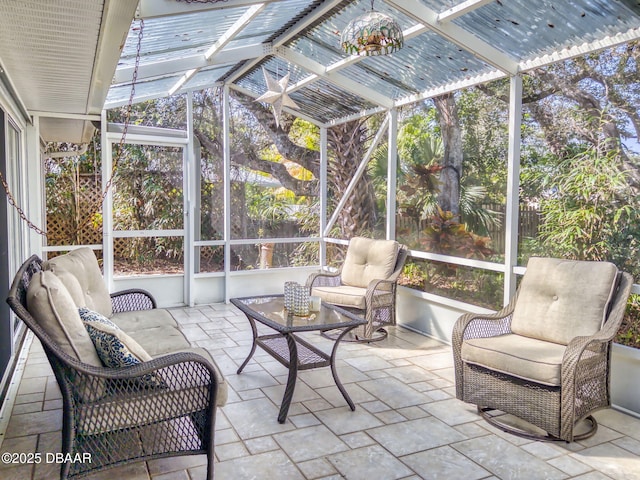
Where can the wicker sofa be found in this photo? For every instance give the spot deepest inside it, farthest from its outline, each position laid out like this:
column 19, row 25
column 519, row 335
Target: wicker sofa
column 158, row 399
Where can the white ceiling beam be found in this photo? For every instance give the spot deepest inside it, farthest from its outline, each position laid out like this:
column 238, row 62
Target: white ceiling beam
column 456, row 35
column 288, row 35
column 334, row 77
column 251, row 13
column 162, row 8
column 114, row 27
column 461, row 9
column 67, row 116
column 227, row 56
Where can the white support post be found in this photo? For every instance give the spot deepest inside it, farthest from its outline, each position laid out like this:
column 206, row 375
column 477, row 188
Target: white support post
column 107, row 205
column 190, row 220
column 322, row 192
column 226, row 122
column 35, row 189
column 392, row 168
column 513, row 187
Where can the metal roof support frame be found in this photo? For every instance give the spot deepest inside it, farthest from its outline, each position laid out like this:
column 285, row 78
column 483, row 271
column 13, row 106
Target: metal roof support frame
column 392, row 169
column 285, row 37
column 291, row 111
column 334, row 77
column 226, row 156
column 107, row 204
column 460, row 9
column 322, row 192
column 513, row 188
column 191, row 222
column 457, row 35
column 251, row 13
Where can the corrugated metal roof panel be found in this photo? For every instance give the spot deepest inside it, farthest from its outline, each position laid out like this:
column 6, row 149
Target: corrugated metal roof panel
column 425, row 61
column 174, row 34
column 156, row 88
column 275, row 16
column 522, row 28
column 324, row 101
column 317, row 51
column 208, row 76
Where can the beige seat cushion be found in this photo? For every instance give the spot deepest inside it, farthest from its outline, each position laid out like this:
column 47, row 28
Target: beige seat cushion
column 136, row 320
column 51, row 305
column 160, row 340
column 343, row 295
column 82, row 265
column 521, row 357
column 561, row 299
column 368, row 260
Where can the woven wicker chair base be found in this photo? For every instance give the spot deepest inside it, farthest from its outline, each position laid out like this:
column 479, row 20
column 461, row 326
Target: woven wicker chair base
column 516, row 426
column 356, row 336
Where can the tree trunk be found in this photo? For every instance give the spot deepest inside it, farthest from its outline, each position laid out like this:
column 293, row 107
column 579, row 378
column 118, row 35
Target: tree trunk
column 347, row 143
column 449, row 188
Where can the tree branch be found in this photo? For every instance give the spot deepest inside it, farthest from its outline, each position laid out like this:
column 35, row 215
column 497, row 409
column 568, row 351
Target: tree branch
column 252, row 161
column 279, row 135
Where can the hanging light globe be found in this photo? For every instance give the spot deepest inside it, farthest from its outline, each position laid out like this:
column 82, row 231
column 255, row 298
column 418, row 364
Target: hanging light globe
column 373, row 33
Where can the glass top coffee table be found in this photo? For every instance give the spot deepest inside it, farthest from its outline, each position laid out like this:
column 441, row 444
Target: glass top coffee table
column 289, row 349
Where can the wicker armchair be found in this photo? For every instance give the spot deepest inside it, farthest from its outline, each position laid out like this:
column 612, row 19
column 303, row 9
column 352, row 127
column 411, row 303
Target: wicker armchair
column 158, row 408
column 365, row 284
column 545, row 357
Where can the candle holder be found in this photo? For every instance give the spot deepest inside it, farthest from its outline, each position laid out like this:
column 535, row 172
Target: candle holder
column 301, row 301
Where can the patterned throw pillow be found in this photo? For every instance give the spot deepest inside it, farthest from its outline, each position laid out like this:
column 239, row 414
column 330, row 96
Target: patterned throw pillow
column 115, row 348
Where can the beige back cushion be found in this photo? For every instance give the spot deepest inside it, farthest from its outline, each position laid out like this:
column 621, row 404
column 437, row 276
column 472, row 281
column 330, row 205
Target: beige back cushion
column 368, row 260
column 80, row 273
column 51, row 305
column 561, row 299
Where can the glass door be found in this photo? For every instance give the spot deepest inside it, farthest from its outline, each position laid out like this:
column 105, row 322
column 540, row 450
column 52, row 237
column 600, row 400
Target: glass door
column 145, row 231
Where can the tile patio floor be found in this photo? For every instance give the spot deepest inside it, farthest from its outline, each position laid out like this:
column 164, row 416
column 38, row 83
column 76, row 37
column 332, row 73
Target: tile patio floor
column 407, row 423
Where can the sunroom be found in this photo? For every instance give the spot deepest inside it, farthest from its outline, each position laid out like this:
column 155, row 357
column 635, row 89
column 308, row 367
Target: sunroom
column 207, row 150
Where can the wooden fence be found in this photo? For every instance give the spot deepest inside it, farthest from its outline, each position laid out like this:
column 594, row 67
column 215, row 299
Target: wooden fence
column 528, row 223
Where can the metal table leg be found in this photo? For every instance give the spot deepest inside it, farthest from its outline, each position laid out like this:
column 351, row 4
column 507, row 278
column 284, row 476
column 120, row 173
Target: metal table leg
column 334, row 371
column 253, row 346
column 291, row 380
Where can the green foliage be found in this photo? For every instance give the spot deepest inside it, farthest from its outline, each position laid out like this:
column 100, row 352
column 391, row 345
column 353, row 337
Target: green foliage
column 444, row 234
column 305, row 134
column 629, row 333
column 268, row 210
column 413, row 276
column 590, row 214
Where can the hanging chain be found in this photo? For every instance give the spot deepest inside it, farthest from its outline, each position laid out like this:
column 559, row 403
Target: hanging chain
column 14, row 204
column 123, row 137
column 11, row 199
